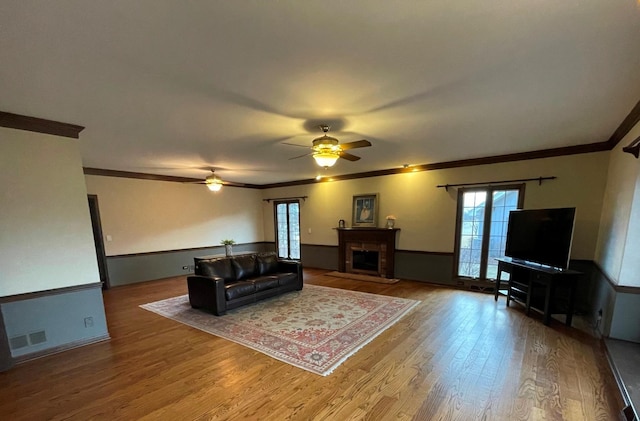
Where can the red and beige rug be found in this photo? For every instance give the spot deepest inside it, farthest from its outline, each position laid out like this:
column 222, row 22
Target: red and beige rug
column 315, row 329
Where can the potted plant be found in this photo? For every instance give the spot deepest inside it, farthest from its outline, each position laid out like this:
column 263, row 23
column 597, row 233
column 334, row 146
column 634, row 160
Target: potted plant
column 228, row 243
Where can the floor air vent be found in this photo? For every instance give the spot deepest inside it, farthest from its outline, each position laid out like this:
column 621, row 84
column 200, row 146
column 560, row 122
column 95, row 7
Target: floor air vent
column 33, row 338
column 18, row 342
column 37, row 337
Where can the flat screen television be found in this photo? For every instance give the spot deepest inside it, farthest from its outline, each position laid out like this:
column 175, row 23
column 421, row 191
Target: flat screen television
column 541, row 236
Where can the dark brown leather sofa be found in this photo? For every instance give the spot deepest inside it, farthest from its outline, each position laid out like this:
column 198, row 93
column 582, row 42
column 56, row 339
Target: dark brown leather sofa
column 224, row 283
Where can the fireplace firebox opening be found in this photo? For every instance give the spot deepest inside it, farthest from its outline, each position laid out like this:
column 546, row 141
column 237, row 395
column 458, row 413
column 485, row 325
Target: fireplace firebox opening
column 366, row 260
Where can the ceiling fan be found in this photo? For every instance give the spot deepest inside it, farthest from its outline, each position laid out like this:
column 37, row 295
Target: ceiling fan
column 213, row 182
column 326, row 149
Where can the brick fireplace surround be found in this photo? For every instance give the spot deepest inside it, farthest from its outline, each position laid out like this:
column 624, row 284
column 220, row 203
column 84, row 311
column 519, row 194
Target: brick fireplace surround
column 380, row 240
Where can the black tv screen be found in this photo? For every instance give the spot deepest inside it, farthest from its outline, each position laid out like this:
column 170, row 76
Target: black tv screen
column 541, row 236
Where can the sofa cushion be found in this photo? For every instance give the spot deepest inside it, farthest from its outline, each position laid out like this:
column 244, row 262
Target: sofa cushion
column 245, row 266
column 286, row 278
column 265, row 282
column 239, row 289
column 267, row 263
column 220, row 268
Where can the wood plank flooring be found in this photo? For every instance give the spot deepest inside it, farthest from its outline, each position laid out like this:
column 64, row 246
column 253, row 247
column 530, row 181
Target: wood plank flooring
column 457, row 356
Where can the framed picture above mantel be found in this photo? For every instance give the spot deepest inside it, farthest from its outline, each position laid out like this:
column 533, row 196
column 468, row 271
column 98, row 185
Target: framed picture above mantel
column 365, row 210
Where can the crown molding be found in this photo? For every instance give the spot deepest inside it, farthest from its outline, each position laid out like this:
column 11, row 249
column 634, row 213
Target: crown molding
column 625, row 127
column 39, row 125
column 157, row 177
column 544, row 153
column 138, row 175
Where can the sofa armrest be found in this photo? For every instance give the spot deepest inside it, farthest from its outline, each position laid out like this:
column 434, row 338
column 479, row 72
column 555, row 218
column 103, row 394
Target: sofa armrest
column 292, row 266
column 208, row 293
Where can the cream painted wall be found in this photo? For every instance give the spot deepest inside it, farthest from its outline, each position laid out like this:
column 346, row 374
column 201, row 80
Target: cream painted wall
column 618, row 240
column 46, row 241
column 144, row 215
column 426, row 215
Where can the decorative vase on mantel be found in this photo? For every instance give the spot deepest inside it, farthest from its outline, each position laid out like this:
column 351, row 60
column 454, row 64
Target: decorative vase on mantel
column 391, row 221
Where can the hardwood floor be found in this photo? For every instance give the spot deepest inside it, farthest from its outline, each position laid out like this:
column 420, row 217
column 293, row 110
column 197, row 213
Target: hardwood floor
column 458, row 356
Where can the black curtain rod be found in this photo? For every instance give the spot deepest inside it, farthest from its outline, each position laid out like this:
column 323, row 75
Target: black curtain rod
column 633, row 147
column 304, row 198
column 488, row 183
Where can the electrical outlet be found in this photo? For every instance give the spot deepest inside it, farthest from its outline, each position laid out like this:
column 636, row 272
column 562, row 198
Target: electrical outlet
column 185, row 267
column 88, row 322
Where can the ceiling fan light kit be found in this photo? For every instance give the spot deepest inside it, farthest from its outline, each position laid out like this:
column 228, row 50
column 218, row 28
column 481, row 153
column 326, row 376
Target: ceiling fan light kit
column 327, row 149
column 326, row 159
column 213, row 183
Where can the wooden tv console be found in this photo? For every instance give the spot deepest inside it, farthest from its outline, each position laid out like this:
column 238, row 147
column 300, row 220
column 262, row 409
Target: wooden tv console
column 543, row 289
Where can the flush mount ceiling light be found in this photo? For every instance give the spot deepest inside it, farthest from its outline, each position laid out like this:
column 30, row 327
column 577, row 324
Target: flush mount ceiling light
column 213, row 183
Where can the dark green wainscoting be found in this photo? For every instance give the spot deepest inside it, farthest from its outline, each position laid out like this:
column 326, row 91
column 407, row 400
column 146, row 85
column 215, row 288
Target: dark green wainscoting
column 46, row 322
column 410, row 265
column 140, row 267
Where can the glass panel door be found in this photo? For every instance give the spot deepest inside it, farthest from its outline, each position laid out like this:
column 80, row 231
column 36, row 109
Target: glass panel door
column 471, row 234
column 287, row 226
column 483, row 215
column 504, row 201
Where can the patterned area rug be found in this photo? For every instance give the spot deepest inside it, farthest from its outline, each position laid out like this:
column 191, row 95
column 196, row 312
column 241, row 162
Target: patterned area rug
column 315, row 329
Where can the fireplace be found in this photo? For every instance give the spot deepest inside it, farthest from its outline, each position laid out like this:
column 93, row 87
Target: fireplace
column 366, row 261
column 368, row 251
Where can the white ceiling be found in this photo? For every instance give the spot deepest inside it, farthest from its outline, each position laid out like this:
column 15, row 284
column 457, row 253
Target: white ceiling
column 173, row 87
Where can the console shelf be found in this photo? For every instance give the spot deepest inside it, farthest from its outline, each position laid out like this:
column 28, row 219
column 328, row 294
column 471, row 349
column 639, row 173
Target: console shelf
column 542, row 289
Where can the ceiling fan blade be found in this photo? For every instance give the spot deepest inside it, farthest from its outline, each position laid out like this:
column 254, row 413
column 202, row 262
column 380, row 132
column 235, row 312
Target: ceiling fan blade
column 357, row 144
column 348, row 156
column 301, row 156
column 293, row 144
